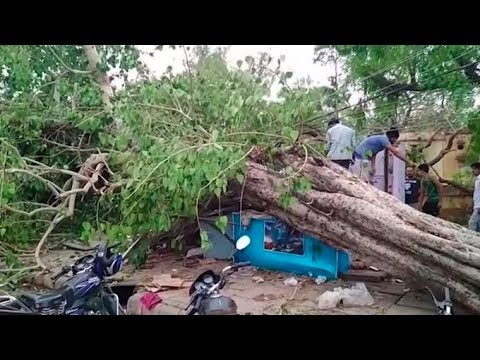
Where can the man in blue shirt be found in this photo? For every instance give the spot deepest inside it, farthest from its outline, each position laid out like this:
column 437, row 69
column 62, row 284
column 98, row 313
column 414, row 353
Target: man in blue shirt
column 365, row 154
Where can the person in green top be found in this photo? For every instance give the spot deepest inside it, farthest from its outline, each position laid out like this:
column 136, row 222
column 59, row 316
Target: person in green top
column 430, row 192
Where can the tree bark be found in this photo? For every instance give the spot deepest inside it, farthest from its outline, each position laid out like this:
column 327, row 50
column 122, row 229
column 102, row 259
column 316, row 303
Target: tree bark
column 346, row 213
column 100, row 78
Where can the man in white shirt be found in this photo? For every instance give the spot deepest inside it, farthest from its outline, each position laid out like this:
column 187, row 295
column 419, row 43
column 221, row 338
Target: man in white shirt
column 341, row 143
column 474, row 223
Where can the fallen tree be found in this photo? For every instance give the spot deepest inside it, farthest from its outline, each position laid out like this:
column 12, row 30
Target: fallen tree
column 152, row 158
column 346, row 213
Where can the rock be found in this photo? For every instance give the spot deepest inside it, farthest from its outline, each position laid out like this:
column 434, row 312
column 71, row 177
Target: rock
column 258, row 279
column 195, row 253
column 291, row 282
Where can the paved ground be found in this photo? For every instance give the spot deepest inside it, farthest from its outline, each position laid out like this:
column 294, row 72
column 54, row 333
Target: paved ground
column 272, row 297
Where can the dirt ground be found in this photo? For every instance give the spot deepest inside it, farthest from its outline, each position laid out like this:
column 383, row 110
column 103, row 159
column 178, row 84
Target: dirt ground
column 270, row 297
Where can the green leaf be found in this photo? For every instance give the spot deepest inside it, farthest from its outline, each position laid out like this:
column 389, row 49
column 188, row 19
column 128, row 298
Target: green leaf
column 214, row 135
column 294, row 135
column 240, row 178
column 205, row 241
column 302, row 185
column 288, row 74
column 104, row 139
column 2, row 232
column 122, row 142
column 86, row 226
column 218, row 192
column 221, row 224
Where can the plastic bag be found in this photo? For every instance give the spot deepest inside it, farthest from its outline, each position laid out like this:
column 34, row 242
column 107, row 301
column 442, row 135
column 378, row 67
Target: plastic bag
column 357, row 295
column 329, row 300
column 320, row 279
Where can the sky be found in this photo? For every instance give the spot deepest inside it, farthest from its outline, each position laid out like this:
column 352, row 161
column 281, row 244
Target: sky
column 295, row 58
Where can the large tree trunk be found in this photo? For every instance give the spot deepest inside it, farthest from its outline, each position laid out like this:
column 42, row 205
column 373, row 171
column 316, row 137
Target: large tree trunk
column 346, row 213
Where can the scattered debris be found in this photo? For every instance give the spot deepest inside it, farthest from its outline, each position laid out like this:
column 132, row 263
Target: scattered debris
column 399, row 281
column 207, row 261
column 188, row 263
column 167, row 281
column 364, row 275
column 329, row 300
column 357, row 295
column 194, row 253
column 320, row 279
column 258, row 279
column 358, row 265
column 265, row 297
column 373, row 268
column 291, row 281
column 150, row 300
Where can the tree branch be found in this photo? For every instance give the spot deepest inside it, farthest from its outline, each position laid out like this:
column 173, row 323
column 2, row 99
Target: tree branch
column 470, row 70
column 447, row 149
column 101, row 79
column 467, row 190
column 429, row 143
column 68, row 147
column 57, row 219
column 53, row 187
column 31, row 213
column 74, row 71
column 65, row 172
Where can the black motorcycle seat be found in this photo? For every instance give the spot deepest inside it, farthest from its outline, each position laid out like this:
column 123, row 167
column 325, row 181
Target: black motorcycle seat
column 48, row 299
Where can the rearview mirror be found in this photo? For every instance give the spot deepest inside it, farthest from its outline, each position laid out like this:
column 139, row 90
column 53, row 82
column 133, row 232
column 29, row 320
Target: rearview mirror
column 242, row 242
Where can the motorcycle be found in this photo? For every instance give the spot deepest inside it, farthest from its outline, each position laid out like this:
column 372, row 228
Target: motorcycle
column 444, row 307
column 85, row 293
column 205, row 293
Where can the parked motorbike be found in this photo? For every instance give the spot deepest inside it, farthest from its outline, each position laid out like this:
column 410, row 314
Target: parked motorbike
column 444, row 307
column 85, row 293
column 205, row 293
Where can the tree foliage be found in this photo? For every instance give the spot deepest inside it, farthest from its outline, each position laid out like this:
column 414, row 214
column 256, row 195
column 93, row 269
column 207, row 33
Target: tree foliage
column 413, row 86
column 174, row 141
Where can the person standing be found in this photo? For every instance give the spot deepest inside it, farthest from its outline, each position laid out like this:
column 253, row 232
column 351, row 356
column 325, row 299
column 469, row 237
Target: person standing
column 430, row 192
column 412, row 188
column 341, row 142
column 365, row 155
column 474, row 222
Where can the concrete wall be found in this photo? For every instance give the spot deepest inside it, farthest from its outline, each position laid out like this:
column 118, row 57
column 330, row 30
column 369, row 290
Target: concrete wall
column 452, row 161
